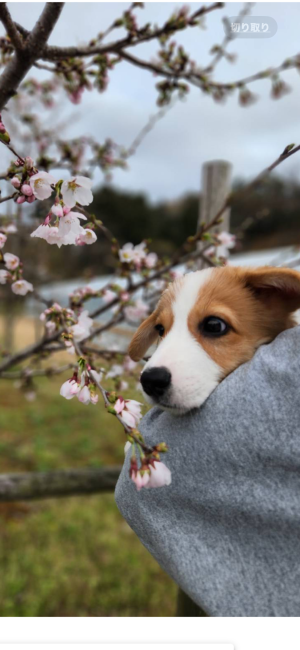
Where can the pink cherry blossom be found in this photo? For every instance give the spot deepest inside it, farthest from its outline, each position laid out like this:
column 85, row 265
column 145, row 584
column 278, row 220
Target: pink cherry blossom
column 69, row 389
column 160, row 475
column 3, row 239
column 77, row 190
column 41, row 185
column 30, row 199
column 21, row 199
column 21, row 287
column 11, row 261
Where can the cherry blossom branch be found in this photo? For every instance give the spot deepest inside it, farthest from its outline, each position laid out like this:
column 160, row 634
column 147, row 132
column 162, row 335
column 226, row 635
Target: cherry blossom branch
column 54, row 53
column 29, row 351
column 220, row 50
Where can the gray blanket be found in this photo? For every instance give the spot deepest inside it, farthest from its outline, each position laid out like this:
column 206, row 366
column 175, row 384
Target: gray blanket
column 227, row 529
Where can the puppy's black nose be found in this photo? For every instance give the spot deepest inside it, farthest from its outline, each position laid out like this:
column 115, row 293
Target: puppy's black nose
column 155, row 381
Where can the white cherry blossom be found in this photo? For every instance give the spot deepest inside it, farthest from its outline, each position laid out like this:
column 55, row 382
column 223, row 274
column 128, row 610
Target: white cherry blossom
column 3, row 239
column 136, row 312
column 11, row 261
column 141, row 479
column 4, row 275
column 129, row 411
column 82, row 327
column 21, row 287
column 84, row 395
column 69, row 389
column 77, row 190
column 160, row 475
column 87, row 236
column 41, row 185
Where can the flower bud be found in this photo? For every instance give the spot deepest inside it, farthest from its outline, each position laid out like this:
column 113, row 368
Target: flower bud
column 15, row 181
column 26, row 189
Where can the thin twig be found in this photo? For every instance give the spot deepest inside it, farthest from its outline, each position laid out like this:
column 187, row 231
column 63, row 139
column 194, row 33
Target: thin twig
column 10, row 27
column 27, row 373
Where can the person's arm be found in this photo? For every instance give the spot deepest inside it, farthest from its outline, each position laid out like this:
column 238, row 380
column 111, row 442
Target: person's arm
column 227, row 529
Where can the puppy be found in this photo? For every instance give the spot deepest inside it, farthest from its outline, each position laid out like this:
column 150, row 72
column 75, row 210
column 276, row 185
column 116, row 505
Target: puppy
column 207, row 324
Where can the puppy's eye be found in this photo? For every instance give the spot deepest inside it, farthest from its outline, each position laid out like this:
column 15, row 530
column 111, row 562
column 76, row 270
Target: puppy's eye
column 213, row 326
column 160, row 329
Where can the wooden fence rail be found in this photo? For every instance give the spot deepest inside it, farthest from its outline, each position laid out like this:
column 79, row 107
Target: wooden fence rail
column 62, row 483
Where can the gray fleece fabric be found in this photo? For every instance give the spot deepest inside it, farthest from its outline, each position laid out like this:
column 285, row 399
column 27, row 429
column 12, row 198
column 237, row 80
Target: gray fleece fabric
column 227, row 529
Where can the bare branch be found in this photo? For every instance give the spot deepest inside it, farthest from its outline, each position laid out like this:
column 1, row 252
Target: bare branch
column 22, row 61
column 10, row 27
column 27, row 373
column 7, row 198
column 230, row 36
column 54, row 53
column 29, row 351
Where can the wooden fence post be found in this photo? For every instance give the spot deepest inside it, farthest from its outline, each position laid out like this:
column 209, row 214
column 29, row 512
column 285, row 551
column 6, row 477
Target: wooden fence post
column 216, row 185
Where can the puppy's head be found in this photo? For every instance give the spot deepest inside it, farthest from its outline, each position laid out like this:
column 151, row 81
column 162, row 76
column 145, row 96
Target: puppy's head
column 207, row 324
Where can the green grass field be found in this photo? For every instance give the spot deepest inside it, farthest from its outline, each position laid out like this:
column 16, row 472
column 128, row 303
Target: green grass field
column 74, row 556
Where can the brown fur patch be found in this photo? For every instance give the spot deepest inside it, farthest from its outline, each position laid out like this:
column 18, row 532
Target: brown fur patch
column 146, row 334
column 257, row 305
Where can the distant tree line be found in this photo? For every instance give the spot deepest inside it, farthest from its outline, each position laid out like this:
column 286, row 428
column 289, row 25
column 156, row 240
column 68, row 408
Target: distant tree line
column 266, row 218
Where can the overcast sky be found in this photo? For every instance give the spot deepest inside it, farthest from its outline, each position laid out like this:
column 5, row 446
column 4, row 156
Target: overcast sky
column 168, row 162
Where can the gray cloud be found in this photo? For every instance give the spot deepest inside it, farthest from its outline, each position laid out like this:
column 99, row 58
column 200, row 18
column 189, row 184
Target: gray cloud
column 169, row 160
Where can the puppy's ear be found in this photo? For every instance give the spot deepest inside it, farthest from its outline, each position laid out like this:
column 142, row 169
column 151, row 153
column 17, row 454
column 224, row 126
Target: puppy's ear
column 143, row 338
column 275, row 285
